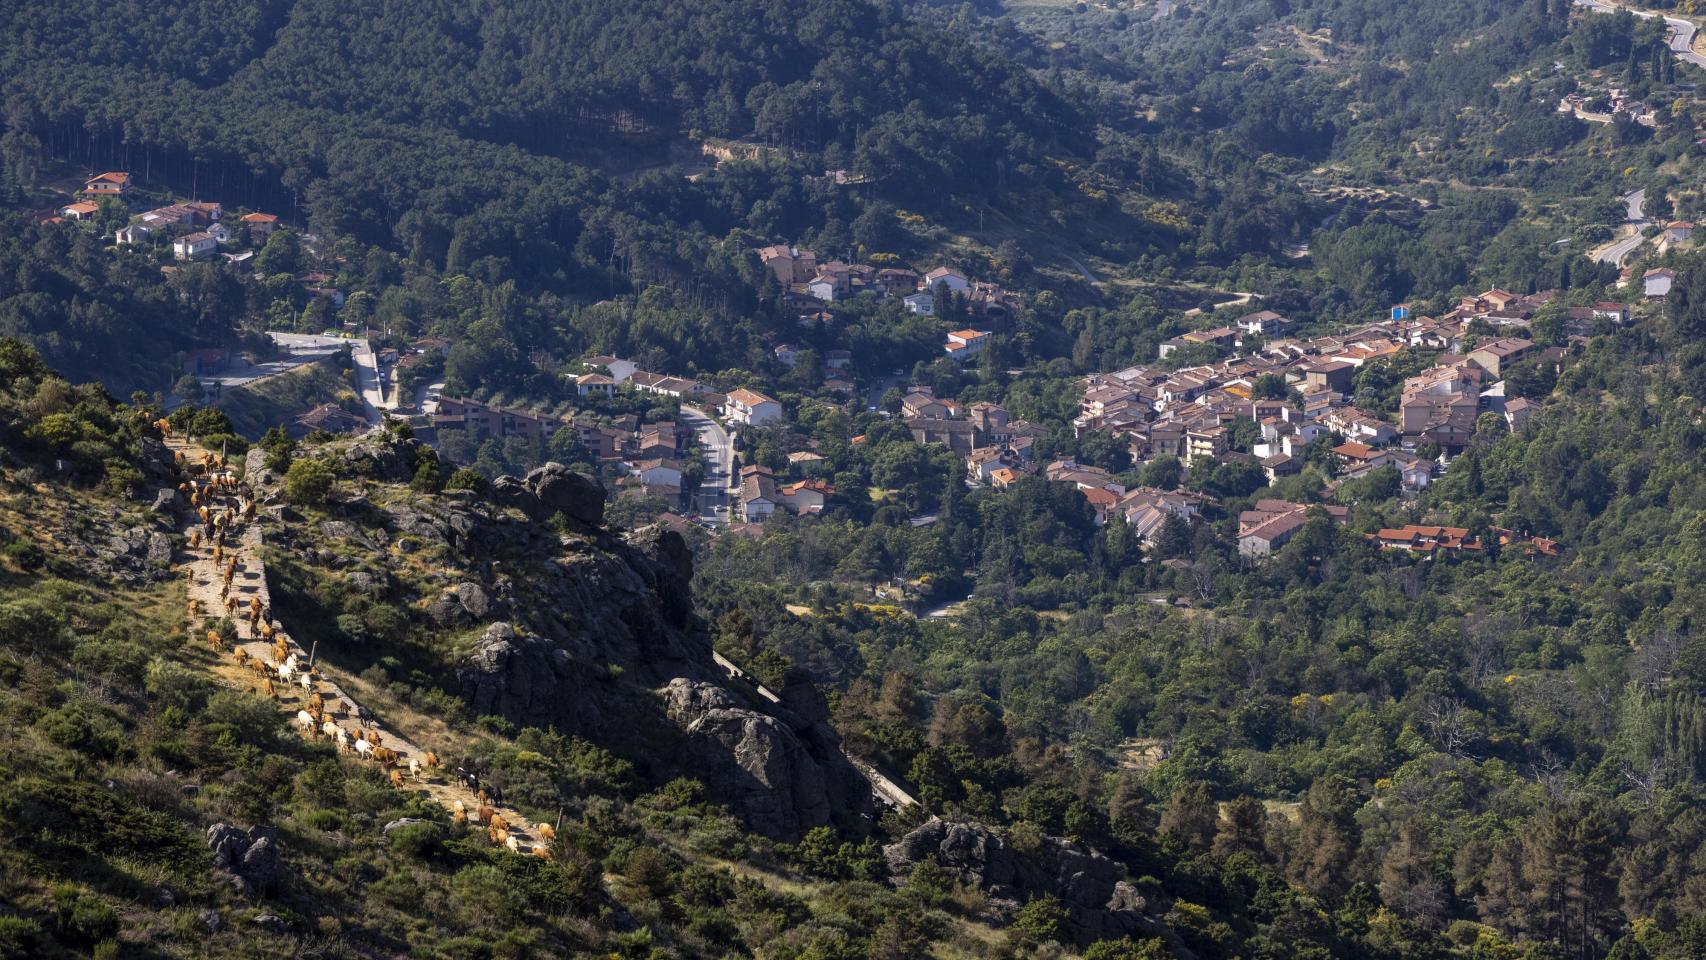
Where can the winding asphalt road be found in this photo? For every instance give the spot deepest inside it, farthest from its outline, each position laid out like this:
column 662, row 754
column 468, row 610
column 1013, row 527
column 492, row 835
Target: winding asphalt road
column 1681, row 31
column 1618, row 251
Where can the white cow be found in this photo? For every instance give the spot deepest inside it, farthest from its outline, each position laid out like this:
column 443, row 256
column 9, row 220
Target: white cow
column 414, row 768
column 364, row 748
column 330, row 729
column 305, row 720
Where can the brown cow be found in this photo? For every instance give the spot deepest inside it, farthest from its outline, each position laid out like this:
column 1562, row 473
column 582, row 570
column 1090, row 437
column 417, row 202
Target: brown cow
column 396, row 779
column 432, row 759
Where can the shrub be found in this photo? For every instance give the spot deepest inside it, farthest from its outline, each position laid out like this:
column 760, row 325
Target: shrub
column 427, row 478
column 1128, row 949
column 417, row 841
column 210, row 421
column 18, row 937
column 232, row 444
column 25, row 554
column 308, row 482
column 174, row 685
column 251, row 719
column 466, row 478
column 486, row 894
column 81, row 918
column 279, row 448
column 649, row 872
column 71, row 728
column 1041, row 920
column 121, row 478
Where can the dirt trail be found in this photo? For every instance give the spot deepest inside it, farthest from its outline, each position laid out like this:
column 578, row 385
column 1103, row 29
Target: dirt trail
column 249, row 582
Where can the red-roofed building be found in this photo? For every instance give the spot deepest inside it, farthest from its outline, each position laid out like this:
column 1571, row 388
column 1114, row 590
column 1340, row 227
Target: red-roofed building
column 260, row 226
column 114, row 183
column 751, row 408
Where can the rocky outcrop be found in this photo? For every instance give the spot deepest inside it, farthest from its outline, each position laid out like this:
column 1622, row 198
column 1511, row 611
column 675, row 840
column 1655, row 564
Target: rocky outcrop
column 523, row 679
column 591, row 633
column 135, row 555
column 780, row 775
column 464, row 603
column 267, row 484
column 165, row 502
column 612, row 623
column 1094, row 889
column 550, row 490
column 381, row 456
column 156, row 460
column 249, row 857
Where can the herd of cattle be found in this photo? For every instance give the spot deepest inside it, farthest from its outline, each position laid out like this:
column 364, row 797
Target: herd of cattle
column 222, row 503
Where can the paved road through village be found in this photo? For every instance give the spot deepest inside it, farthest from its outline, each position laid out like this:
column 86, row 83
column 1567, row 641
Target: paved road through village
column 717, row 449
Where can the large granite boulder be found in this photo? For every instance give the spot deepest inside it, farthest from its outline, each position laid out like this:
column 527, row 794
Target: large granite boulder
column 381, row 456
column 550, row 490
column 561, row 490
column 267, row 484
column 758, row 764
column 156, row 460
column 249, row 857
column 525, row 679
column 1094, row 889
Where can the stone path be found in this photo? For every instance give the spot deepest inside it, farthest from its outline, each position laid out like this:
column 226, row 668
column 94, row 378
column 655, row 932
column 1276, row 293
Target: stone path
column 249, row 582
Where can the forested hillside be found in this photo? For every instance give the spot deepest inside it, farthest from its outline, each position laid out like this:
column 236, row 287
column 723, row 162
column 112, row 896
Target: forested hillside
column 473, row 125
column 857, row 479
column 95, row 315
column 1498, row 746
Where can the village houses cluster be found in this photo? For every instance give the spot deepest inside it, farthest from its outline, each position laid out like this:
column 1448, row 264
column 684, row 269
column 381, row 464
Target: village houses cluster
column 810, row 284
column 197, row 229
column 1155, row 412
column 1188, row 413
column 651, row 456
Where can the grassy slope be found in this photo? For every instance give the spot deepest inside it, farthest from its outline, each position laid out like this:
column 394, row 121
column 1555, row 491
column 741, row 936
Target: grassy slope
column 256, row 407
column 127, row 743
